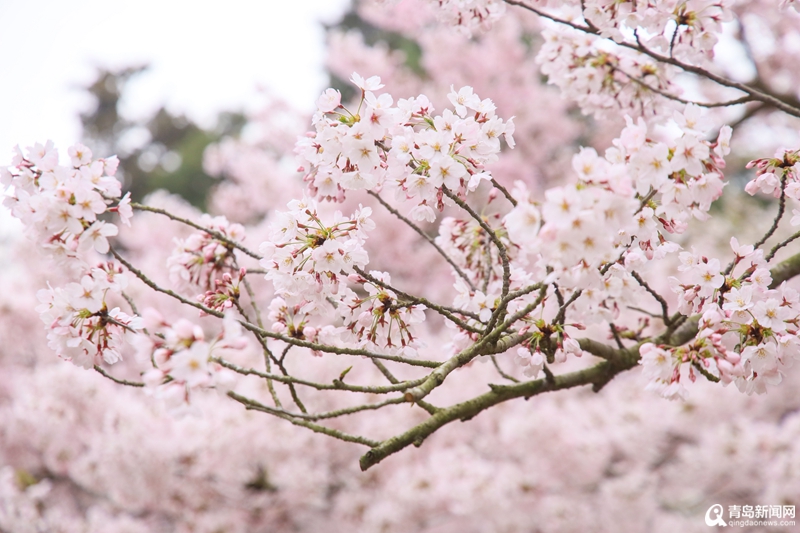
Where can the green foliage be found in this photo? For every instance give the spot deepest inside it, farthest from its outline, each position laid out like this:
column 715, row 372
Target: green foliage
column 170, row 153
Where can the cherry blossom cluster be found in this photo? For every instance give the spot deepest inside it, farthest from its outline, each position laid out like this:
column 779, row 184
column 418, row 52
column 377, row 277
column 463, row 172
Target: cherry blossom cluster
column 225, row 293
column 181, row 357
column 306, row 258
column 379, row 318
column 297, row 320
column 688, row 29
column 747, row 333
column 311, row 262
column 681, row 28
column 470, row 15
column 60, row 205
column 644, row 190
column 530, row 356
column 776, row 176
column 200, row 259
column 81, row 328
column 599, row 77
column 403, row 149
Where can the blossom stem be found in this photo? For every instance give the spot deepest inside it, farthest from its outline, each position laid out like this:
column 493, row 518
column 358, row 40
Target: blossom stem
column 254, row 405
column 425, row 236
column 102, row 372
column 447, row 312
column 217, row 235
column 660, row 299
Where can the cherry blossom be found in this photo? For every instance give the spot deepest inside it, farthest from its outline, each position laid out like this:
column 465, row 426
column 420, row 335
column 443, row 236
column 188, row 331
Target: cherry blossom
column 414, row 243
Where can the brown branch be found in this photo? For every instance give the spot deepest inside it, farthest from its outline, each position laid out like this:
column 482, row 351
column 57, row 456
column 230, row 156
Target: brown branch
column 504, row 191
column 669, row 96
column 102, row 372
column 425, row 236
column 217, row 235
column 254, row 405
column 337, row 384
column 597, row 376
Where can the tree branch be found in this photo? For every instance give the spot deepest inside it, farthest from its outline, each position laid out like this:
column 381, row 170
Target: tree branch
column 254, row 405
column 425, row 236
column 102, row 372
column 597, row 375
column 337, row 384
column 217, row 235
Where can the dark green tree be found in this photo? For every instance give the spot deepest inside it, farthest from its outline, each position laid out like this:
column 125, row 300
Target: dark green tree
column 162, row 152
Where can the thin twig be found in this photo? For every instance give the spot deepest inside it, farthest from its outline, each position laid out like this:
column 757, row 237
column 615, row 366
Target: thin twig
column 738, row 101
column 217, row 235
column 780, row 245
column 660, row 299
column 501, row 372
column 447, row 312
column 425, row 236
column 252, row 404
column 388, row 375
column 337, row 413
column 292, row 390
column 615, row 335
column 644, row 311
column 267, row 355
column 131, row 303
column 336, row 385
column 779, row 216
column 504, row 191
column 102, row 372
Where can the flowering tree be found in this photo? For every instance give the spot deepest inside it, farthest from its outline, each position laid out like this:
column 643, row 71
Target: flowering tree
column 422, row 240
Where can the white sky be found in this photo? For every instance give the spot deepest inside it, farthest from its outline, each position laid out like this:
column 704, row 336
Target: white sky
column 205, row 57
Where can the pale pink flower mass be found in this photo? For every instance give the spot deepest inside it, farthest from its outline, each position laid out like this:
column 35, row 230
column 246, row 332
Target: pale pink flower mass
column 541, row 193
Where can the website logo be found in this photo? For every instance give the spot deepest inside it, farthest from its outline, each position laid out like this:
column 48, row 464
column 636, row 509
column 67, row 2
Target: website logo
column 714, row 516
column 751, row 515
